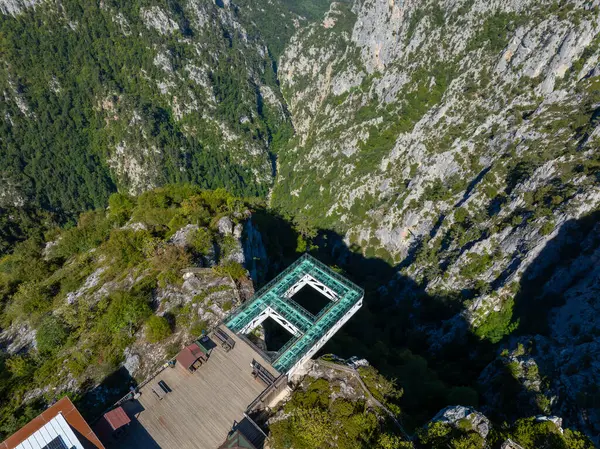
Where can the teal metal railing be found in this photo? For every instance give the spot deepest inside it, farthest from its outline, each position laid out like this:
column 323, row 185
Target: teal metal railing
column 302, row 345
column 312, row 327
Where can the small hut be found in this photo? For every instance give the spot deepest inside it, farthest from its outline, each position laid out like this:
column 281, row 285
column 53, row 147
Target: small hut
column 191, row 357
column 112, row 425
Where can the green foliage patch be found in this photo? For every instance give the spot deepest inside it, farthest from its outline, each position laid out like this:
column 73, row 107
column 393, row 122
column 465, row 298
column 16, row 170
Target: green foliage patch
column 316, row 419
column 126, row 246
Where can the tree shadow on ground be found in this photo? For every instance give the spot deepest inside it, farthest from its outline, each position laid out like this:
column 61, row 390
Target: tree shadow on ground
column 98, row 398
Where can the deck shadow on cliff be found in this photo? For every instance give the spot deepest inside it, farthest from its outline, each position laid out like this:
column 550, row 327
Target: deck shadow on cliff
column 421, row 339
column 384, row 330
column 97, row 398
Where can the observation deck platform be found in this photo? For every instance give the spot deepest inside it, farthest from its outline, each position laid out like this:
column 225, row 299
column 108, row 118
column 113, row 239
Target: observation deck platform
column 201, row 408
column 310, row 332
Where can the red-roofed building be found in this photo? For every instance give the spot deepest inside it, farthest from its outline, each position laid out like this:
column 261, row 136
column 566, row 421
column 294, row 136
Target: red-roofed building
column 117, row 418
column 191, row 357
column 60, row 424
column 112, row 425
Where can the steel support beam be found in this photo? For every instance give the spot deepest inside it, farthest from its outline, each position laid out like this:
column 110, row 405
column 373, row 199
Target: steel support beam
column 275, row 300
column 270, row 313
column 307, row 279
column 325, row 338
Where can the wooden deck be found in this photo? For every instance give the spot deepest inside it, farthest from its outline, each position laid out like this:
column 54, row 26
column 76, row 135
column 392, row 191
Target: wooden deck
column 201, row 408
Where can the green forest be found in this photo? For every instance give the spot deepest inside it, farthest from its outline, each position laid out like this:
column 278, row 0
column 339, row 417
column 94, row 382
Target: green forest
column 120, row 128
column 75, row 95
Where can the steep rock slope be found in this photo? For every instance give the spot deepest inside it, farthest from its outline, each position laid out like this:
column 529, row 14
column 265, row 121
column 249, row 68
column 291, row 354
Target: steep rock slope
column 132, row 95
column 408, row 112
column 330, row 408
column 458, row 141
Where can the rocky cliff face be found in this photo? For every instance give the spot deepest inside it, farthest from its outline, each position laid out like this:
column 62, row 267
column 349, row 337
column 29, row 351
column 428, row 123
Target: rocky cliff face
column 458, row 141
column 166, row 94
column 14, row 7
column 411, row 111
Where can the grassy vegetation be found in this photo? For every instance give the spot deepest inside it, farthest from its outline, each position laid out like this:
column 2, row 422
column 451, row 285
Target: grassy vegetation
column 157, row 329
column 497, row 324
column 84, row 338
column 315, row 418
column 527, row 432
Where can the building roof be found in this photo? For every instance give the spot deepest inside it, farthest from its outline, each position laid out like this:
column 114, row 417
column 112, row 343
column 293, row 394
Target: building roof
column 117, row 418
column 237, row 441
column 188, row 356
column 106, row 426
column 61, row 423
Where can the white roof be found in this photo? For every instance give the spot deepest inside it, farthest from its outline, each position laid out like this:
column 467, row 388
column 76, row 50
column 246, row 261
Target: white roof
column 56, row 427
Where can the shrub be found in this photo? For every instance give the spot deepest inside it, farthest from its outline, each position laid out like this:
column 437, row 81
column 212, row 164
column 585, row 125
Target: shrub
column 476, row 265
column 126, row 247
column 20, row 366
column 51, row 335
column 30, row 300
column 125, row 312
column 227, row 305
column 229, row 245
column 233, row 269
column 547, row 228
column 92, row 229
column 497, row 324
column 77, row 363
column 460, row 215
column 383, row 389
column 157, row 329
column 120, row 207
column 198, row 327
column 170, row 258
column 302, row 244
column 201, row 241
column 176, row 223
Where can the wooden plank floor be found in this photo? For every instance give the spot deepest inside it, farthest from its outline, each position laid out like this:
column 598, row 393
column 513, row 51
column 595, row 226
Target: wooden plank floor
column 201, row 408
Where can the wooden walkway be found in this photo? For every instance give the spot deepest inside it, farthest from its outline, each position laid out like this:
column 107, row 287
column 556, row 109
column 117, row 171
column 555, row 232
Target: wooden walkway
column 202, row 407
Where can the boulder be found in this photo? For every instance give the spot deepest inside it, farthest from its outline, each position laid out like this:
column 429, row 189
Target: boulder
column 132, row 361
column 510, row 444
column 181, row 237
column 225, row 226
column 457, row 414
column 556, row 420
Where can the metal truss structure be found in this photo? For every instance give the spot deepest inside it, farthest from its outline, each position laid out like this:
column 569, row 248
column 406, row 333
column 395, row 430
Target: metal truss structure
column 310, row 332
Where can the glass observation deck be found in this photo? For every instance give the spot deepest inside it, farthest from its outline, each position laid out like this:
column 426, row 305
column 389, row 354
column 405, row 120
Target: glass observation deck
column 310, row 332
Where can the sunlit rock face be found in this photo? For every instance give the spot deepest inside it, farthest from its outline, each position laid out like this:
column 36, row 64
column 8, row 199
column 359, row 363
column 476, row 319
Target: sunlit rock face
column 14, row 7
column 456, row 140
